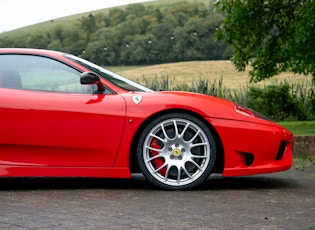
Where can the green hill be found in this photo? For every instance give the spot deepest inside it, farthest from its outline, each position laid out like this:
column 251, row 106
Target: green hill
column 74, row 18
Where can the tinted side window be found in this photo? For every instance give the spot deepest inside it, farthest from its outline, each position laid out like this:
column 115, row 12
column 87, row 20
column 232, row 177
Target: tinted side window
column 39, row 73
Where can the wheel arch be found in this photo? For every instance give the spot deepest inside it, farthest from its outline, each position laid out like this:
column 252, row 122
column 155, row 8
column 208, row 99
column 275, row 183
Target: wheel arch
column 219, row 164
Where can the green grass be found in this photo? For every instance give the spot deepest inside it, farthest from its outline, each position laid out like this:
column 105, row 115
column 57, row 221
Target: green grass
column 302, row 161
column 300, row 127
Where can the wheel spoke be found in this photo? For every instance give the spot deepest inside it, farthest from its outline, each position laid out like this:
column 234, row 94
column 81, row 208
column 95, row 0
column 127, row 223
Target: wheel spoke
column 198, row 144
column 157, row 137
column 184, row 130
column 164, row 132
column 178, row 175
column 194, row 137
column 158, row 169
column 176, row 129
column 167, row 173
column 187, row 173
column 155, row 157
column 198, row 156
column 154, row 149
column 198, row 166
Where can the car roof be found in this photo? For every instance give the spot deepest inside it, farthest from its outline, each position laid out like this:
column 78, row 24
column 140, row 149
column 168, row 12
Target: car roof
column 31, row 51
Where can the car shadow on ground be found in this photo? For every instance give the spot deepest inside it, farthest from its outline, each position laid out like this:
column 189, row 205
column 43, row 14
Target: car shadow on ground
column 215, row 182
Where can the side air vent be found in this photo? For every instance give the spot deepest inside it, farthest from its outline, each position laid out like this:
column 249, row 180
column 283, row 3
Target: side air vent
column 249, row 159
column 281, row 150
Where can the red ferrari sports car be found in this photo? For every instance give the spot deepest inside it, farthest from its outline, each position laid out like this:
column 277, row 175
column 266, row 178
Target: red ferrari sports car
column 62, row 116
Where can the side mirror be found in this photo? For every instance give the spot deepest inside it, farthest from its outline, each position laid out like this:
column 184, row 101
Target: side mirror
column 89, row 78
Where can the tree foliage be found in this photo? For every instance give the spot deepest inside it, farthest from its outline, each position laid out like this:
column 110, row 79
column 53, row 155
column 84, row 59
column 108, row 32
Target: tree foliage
column 271, row 36
column 134, row 35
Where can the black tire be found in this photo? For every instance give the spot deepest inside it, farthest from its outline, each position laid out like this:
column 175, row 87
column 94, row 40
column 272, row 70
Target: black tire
column 176, row 151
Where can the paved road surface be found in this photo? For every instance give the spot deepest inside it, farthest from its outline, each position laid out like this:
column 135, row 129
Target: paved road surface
column 274, row 201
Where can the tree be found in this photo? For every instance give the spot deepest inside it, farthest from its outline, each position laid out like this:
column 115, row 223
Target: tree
column 74, row 39
column 37, row 40
column 88, row 23
column 55, row 45
column 135, row 10
column 116, row 16
column 57, row 33
column 146, row 23
column 272, row 36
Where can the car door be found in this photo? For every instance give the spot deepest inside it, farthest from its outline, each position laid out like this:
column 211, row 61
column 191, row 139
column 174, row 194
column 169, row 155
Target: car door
column 48, row 118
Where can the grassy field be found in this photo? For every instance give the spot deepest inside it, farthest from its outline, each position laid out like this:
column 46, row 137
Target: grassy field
column 300, row 127
column 211, row 70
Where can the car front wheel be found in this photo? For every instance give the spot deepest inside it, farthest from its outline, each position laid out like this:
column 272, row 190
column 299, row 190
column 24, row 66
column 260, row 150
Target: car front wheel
column 176, row 151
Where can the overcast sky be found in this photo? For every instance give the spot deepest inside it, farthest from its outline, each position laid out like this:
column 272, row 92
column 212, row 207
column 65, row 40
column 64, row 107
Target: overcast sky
column 19, row 13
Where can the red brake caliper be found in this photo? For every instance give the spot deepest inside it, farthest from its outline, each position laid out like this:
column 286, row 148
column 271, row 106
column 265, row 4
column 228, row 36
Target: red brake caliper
column 158, row 162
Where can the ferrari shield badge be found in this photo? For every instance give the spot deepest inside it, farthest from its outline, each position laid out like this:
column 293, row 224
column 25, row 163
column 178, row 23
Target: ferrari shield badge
column 137, row 99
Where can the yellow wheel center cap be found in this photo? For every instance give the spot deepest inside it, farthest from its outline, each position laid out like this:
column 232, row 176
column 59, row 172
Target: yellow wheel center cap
column 176, row 152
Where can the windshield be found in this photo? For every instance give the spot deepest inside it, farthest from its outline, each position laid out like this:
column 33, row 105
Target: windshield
column 114, row 78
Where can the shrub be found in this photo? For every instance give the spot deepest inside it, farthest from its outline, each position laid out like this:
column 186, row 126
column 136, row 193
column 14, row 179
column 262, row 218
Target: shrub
column 276, row 102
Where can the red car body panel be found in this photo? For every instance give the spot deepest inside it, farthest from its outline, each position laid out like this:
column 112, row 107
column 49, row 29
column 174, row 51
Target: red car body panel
column 260, row 140
column 46, row 123
column 91, row 135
